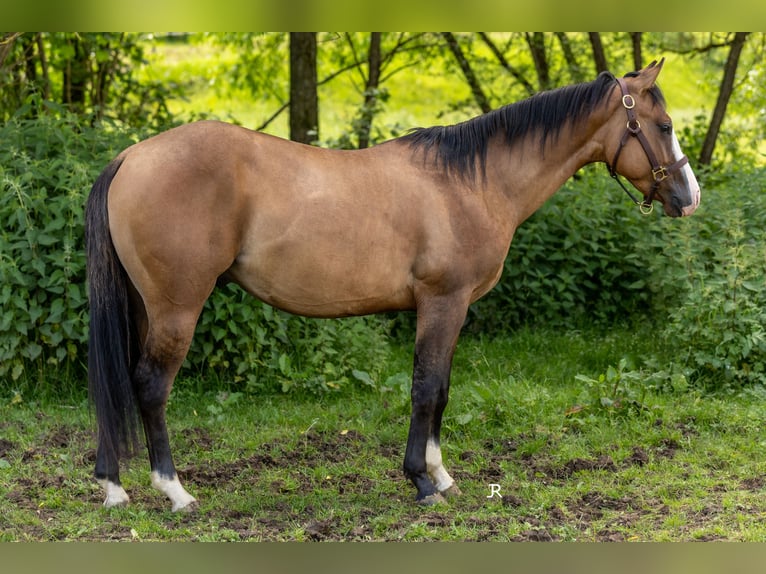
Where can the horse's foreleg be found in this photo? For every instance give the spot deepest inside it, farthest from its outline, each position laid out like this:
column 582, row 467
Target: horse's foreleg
column 162, row 357
column 444, row 483
column 439, row 323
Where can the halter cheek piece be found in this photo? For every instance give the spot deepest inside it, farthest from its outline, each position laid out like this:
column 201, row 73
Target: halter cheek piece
column 659, row 172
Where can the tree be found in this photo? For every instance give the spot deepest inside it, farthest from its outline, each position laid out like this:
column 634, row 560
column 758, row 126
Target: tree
column 87, row 73
column 76, row 73
column 575, row 70
column 470, row 76
column 374, row 62
column 503, row 61
column 536, row 43
column 304, row 100
column 599, row 56
column 724, row 94
column 635, row 40
column 386, row 55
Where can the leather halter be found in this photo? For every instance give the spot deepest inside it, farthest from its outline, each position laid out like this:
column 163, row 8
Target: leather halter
column 633, row 129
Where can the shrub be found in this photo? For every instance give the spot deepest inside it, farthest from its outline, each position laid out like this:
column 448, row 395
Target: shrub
column 718, row 327
column 259, row 348
column 586, row 257
column 46, row 167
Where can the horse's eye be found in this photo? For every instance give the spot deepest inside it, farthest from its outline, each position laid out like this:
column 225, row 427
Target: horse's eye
column 666, row 128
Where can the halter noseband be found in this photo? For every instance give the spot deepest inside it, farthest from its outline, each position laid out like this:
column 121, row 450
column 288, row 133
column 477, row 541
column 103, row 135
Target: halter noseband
column 659, row 172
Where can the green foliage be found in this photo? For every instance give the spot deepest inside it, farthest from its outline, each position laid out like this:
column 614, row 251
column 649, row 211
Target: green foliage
column 46, row 167
column 92, row 74
column 616, row 391
column 718, row 327
column 261, row 349
column 587, row 257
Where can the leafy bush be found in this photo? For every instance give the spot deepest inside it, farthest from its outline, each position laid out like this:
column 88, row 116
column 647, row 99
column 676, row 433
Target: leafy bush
column 266, row 349
column 586, row 256
column 718, row 327
column 46, row 168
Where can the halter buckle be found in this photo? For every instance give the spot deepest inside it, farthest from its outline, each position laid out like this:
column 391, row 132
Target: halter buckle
column 660, row 173
column 628, row 101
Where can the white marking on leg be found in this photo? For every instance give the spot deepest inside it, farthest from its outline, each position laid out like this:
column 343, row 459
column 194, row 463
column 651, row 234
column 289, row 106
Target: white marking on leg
column 437, row 472
column 173, row 490
column 115, row 494
column 689, row 178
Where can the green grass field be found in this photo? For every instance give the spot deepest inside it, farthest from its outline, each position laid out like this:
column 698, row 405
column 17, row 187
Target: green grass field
column 651, row 465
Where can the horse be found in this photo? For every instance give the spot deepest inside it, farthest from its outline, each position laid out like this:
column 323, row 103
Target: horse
column 421, row 222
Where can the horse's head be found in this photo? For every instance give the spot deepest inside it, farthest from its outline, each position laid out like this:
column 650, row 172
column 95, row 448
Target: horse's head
column 642, row 146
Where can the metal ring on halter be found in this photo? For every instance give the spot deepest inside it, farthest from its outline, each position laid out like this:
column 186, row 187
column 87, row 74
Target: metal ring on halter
column 660, row 173
column 646, row 209
column 625, row 99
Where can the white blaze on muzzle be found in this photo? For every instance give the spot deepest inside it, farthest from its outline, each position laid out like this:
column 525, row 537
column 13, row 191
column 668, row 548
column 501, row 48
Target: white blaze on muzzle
column 689, row 180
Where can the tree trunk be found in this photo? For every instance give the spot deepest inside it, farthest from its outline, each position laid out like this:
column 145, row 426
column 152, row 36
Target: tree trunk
column 473, row 82
column 76, row 74
column 46, row 79
column 727, row 87
column 105, row 74
column 575, row 71
column 599, row 57
column 507, row 66
column 30, row 70
column 638, row 60
column 6, row 45
column 304, row 101
column 374, row 62
column 536, row 43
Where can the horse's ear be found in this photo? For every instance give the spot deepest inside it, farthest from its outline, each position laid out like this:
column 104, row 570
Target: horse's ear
column 648, row 76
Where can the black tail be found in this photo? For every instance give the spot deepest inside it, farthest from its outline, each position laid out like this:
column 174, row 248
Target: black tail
column 111, row 338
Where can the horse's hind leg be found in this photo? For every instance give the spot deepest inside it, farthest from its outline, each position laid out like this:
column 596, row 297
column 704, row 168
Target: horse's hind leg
column 108, row 476
column 164, row 350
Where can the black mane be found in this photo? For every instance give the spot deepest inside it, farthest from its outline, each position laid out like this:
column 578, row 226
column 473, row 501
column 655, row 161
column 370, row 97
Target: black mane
column 457, row 147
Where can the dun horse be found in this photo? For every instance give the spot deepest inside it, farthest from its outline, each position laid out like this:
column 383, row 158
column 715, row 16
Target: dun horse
column 421, row 222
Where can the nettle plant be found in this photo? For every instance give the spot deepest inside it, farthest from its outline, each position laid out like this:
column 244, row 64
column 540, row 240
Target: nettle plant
column 718, row 327
column 46, row 168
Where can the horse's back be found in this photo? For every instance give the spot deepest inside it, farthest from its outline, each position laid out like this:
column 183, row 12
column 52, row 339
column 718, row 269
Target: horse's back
column 315, row 231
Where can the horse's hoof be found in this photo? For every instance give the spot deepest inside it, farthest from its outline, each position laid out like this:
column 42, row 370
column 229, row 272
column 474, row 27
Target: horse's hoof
column 190, row 508
column 451, row 492
column 432, row 499
column 115, row 494
column 116, row 503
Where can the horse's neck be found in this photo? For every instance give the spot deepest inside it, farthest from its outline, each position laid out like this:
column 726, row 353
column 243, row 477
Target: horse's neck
column 526, row 178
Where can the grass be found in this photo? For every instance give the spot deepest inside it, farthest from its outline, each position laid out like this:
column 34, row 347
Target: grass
column 677, row 466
